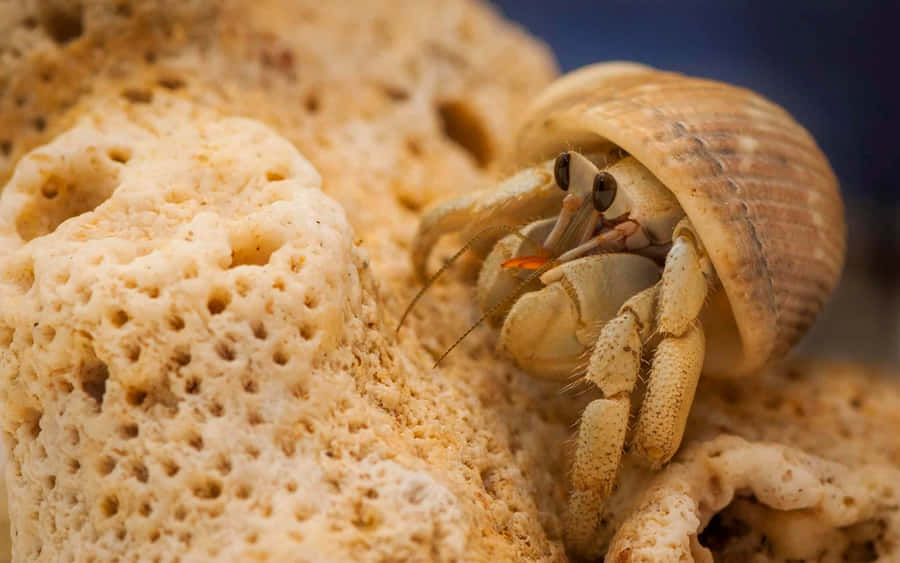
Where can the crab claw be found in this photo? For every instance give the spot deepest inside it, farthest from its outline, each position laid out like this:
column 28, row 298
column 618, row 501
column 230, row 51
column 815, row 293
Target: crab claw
column 550, row 332
column 530, row 193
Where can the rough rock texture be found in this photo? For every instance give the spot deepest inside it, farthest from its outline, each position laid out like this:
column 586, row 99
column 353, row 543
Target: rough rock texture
column 819, row 479
column 176, row 391
column 195, row 367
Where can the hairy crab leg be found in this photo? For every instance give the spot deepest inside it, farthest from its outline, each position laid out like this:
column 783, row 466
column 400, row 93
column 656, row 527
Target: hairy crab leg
column 614, row 367
column 687, row 280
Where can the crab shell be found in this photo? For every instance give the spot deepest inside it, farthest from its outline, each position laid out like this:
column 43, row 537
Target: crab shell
column 758, row 190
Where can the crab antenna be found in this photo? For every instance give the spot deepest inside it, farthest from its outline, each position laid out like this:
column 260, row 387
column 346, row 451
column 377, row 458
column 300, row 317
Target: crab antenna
column 496, row 307
column 448, row 263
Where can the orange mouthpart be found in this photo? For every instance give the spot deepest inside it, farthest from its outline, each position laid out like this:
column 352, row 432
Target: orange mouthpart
column 525, row 262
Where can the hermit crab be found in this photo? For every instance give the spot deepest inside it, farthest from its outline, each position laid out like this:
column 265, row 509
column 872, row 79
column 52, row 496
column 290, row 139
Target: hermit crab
column 656, row 220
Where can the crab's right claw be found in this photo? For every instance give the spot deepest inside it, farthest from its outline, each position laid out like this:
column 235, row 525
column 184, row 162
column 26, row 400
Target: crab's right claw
column 531, row 194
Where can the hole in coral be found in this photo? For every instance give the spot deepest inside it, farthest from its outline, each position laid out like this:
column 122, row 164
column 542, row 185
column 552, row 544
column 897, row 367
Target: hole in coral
column 394, row 93
column 311, row 301
column 110, row 506
column 224, row 465
column 119, row 154
column 33, row 422
column 51, row 482
column 51, row 187
column 106, row 465
column 74, row 465
column 243, row 491
column 254, row 418
column 218, row 301
column 307, row 332
column 133, row 352
column 180, row 514
column 250, row 385
column 196, row 442
column 118, row 318
column 225, row 351
column 170, row 468
column 312, row 103
column 279, row 357
column 145, row 509
column 182, row 357
column 273, row 176
column 135, row 397
column 176, row 323
column 209, row 489
column 291, row 486
column 128, row 431
column 138, row 95
column 171, row 82
column 259, row 330
column 216, row 409
column 250, row 247
column 140, row 472
column 5, row 147
column 463, row 126
column 72, row 436
column 62, row 20
column 62, row 200
column 39, row 124
column 192, row 386
column 93, row 377
column 414, row 147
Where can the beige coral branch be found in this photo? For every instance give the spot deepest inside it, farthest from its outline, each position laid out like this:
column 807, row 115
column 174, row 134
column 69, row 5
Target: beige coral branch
column 779, row 503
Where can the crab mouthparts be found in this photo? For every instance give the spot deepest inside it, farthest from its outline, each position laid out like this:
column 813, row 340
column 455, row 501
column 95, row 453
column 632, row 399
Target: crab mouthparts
column 574, row 226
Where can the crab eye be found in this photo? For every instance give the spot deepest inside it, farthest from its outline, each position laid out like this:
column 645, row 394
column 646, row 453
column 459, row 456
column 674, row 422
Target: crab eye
column 604, row 191
column 561, row 171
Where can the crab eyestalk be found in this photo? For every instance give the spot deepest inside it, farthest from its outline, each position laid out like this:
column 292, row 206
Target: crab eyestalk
column 575, row 231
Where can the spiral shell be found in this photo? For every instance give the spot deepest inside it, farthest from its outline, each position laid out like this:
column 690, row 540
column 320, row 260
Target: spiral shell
column 757, row 188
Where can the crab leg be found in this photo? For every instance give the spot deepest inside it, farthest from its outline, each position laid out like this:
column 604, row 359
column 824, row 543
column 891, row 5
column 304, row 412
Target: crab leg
column 676, row 367
column 613, row 368
column 530, row 194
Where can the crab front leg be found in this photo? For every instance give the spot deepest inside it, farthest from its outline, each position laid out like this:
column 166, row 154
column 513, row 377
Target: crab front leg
column 687, row 279
column 528, row 195
column 613, row 368
column 669, row 309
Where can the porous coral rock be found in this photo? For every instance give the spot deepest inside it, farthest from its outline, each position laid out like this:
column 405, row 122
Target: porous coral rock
column 814, row 475
column 377, row 456
column 363, row 458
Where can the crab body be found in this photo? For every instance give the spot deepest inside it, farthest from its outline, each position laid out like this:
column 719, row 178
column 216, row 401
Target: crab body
column 681, row 221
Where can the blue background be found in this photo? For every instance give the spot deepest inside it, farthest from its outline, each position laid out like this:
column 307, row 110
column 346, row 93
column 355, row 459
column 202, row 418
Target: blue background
column 833, row 65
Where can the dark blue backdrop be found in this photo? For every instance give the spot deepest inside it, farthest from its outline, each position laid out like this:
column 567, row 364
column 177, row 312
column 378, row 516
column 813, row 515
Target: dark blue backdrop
column 834, row 65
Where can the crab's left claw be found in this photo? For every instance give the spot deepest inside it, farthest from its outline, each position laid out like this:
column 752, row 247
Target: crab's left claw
column 530, row 194
column 551, row 332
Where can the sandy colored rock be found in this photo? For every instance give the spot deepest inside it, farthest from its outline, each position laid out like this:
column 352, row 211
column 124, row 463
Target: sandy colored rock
column 355, row 447
column 349, row 434
column 820, row 479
